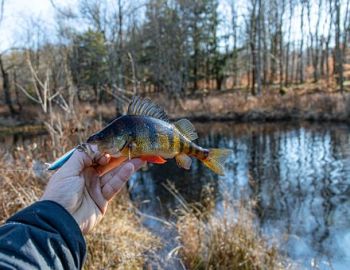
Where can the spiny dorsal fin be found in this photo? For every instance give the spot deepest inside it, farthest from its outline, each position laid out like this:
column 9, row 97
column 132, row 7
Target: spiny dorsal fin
column 187, row 129
column 140, row 106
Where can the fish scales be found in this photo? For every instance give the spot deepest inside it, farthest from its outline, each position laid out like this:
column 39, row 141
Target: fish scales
column 153, row 136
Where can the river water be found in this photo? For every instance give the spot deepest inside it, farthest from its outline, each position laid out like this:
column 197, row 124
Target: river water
column 298, row 174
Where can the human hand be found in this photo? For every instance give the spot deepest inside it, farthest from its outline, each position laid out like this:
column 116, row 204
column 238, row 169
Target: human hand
column 77, row 187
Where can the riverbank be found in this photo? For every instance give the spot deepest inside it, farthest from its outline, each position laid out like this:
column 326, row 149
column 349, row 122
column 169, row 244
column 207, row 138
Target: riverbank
column 271, row 107
column 311, row 105
column 300, row 105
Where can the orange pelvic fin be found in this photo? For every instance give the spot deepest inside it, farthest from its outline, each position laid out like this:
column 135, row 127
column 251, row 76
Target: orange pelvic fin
column 112, row 164
column 154, row 159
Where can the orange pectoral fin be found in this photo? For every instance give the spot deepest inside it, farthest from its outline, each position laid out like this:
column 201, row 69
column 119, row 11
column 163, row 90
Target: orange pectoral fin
column 112, row 164
column 153, row 159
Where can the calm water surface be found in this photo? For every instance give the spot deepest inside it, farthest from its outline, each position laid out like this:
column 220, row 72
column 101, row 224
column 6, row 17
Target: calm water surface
column 298, row 173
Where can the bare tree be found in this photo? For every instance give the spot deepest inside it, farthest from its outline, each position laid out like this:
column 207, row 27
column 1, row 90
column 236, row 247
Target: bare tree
column 301, row 48
column 288, row 45
column 6, row 86
column 338, row 51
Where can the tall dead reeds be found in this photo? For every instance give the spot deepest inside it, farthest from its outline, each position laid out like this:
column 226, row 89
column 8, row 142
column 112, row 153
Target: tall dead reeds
column 226, row 240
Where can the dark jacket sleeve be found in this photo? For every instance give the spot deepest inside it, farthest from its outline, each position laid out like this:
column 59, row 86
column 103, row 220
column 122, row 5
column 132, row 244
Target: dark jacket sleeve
column 41, row 236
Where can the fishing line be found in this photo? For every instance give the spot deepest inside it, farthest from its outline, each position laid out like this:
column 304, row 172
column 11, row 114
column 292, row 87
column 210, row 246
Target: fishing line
column 20, row 170
column 17, row 170
column 24, row 169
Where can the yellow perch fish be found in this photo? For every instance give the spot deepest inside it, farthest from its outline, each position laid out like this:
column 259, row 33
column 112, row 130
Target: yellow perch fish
column 145, row 132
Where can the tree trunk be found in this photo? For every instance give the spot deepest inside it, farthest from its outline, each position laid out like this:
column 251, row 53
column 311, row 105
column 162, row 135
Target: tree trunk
column 18, row 102
column 286, row 76
column 253, row 21
column 258, row 62
column 265, row 57
column 6, row 87
column 301, row 64
column 323, row 57
column 317, row 49
column 338, row 50
column 118, row 103
column 235, row 53
column 293, row 65
column 280, row 35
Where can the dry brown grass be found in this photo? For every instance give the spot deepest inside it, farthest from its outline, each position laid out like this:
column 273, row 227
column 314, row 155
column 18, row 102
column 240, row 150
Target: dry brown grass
column 307, row 101
column 120, row 241
column 237, row 106
column 226, row 241
column 220, row 243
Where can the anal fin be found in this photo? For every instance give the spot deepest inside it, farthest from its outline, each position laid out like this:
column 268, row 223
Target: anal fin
column 183, row 161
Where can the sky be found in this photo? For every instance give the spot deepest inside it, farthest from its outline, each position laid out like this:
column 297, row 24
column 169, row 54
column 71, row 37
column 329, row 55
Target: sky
column 17, row 11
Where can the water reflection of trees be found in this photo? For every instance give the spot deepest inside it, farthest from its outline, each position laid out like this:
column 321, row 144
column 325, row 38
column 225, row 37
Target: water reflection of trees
column 299, row 175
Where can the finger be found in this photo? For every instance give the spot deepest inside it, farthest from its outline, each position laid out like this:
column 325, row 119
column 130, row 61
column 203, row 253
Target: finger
column 78, row 161
column 104, row 159
column 93, row 186
column 113, row 186
column 113, row 163
column 137, row 163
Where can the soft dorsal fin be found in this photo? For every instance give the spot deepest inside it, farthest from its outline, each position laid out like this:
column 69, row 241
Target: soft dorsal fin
column 186, row 128
column 140, row 106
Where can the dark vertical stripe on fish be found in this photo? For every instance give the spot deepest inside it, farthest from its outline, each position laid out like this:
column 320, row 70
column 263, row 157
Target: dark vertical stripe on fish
column 176, row 142
column 181, row 144
column 170, row 137
column 190, row 148
column 196, row 152
column 152, row 134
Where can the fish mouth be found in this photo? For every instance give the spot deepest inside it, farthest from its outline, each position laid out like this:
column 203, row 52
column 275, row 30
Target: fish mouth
column 93, row 151
column 89, row 148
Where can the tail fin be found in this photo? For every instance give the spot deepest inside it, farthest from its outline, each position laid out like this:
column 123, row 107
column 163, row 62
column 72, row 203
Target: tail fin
column 216, row 160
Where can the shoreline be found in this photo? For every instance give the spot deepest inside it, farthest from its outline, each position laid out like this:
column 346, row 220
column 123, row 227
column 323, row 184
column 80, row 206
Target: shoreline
column 39, row 129
column 262, row 118
column 215, row 107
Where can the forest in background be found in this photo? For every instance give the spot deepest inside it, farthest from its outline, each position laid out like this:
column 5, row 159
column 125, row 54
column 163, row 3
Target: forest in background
column 106, row 50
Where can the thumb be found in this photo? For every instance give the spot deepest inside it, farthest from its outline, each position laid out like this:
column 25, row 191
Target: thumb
column 78, row 161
